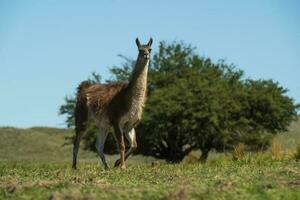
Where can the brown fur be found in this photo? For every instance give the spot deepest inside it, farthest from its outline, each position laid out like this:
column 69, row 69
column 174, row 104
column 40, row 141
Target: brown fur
column 99, row 95
column 95, row 97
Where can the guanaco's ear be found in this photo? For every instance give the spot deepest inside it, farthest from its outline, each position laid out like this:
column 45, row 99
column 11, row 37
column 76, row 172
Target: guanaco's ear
column 150, row 42
column 137, row 41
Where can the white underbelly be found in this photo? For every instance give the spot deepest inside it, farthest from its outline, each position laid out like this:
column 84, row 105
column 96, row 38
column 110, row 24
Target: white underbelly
column 132, row 117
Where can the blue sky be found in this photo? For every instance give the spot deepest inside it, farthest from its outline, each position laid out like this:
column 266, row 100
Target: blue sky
column 48, row 47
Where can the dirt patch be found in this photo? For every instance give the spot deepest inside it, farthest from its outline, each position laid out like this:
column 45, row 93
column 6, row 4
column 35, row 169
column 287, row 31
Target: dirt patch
column 58, row 196
column 292, row 170
column 181, row 193
column 294, row 183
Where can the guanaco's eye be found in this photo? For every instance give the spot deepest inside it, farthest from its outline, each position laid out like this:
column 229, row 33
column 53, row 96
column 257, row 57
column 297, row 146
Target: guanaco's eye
column 149, row 50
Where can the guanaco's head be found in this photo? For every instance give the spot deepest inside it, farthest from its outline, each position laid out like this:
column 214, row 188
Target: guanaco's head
column 144, row 49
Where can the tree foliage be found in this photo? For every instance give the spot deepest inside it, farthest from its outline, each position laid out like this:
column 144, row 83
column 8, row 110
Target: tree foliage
column 194, row 103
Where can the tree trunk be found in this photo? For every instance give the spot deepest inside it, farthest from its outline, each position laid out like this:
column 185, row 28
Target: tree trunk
column 204, row 155
column 175, row 156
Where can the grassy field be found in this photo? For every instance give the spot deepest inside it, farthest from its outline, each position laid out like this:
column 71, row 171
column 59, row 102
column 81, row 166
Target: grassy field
column 35, row 164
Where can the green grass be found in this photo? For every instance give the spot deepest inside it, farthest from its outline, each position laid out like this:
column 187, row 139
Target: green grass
column 253, row 177
column 35, row 164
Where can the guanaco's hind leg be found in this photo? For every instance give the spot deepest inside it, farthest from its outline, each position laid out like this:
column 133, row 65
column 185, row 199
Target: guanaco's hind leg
column 131, row 137
column 100, row 146
column 76, row 148
column 81, row 118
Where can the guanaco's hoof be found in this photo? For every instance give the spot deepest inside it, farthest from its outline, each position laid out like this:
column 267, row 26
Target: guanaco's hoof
column 123, row 167
column 117, row 163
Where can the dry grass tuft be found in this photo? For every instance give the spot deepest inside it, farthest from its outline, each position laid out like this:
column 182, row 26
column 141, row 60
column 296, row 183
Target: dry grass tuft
column 238, row 151
column 192, row 157
column 277, row 150
column 297, row 152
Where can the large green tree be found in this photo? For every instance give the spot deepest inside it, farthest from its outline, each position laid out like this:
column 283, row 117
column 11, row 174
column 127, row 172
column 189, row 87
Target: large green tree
column 194, row 103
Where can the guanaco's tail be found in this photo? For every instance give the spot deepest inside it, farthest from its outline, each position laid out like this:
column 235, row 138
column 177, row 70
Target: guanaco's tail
column 81, row 109
column 81, row 118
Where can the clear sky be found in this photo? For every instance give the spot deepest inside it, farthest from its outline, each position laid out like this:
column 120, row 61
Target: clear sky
column 48, row 47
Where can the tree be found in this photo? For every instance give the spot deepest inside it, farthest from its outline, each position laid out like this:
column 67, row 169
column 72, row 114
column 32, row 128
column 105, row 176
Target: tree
column 267, row 110
column 197, row 104
column 187, row 107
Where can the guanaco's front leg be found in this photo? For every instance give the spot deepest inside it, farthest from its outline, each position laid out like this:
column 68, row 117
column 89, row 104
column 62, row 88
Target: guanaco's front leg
column 121, row 144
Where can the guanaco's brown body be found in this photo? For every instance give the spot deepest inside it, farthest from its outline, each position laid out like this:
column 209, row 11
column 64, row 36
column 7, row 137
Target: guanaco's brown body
column 119, row 105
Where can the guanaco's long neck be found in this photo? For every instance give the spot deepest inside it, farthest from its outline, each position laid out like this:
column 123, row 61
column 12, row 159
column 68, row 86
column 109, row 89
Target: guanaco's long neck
column 138, row 81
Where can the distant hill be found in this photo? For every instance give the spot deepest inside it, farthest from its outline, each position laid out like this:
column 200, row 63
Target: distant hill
column 38, row 143
column 50, row 144
column 43, row 144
